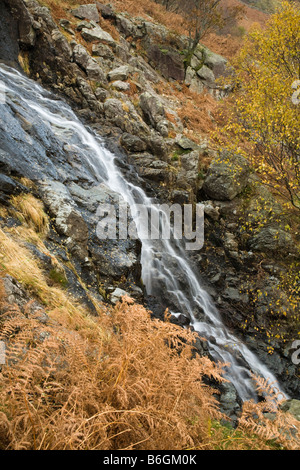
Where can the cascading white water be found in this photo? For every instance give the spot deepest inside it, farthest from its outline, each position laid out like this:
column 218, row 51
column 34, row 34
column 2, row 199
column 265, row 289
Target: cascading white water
column 165, row 266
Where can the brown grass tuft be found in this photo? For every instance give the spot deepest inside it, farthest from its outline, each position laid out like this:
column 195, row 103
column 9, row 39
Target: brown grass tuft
column 31, row 211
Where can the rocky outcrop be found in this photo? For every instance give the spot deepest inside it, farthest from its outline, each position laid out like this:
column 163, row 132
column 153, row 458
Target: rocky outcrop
column 87, row 12
column 167, row 60
column 227, row 176
column 112, row 85
column 273, row 240
column 66, row 186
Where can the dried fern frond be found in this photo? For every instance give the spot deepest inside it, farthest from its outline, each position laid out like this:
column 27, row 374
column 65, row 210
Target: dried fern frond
column 142, row 389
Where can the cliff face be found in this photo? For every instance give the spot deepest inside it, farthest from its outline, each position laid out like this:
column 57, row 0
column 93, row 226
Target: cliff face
column 113, row 89
column 116, row 72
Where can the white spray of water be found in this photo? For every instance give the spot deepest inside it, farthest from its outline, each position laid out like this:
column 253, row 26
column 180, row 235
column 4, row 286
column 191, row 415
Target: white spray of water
column 164, row 262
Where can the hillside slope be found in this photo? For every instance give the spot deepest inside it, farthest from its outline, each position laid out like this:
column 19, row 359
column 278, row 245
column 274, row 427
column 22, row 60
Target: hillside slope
column 124, row 77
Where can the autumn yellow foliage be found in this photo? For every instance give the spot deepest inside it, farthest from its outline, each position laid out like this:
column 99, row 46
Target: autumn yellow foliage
column 265, row 112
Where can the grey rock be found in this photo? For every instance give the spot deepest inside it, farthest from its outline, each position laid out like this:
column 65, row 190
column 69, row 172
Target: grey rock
column 187, row 175
column 87, row 91
column 114, row 110
column 68, row 220
column 124, row 116
column 84, row 24
column 206, row 74
column 211, row 210
column 291, row 406
column 227, row 176
column 61, row 44
column 273, row 240
column 10, row 186
column 87, row 12
column 180, row 196
column 106, row 11
column 97, row 34
column 95, row 72
column 133, row 143
column 101, row 94
column 149, row 168
column 81, row 56
column 125, row 26
column 230, row 242
column 66, row 24
column 168, row 61
column 163, row 127
column 152, row 108
column 190, row 161
column 193, row 81
column 91, row 198
column 120, row 73
column 102, row 50
column 25, row 20
column 215, row 62
column 117, row 295
column 185, row 143
column 14, row 292
column 121, row 86
column 157, row 144
column 112, row 258
column 229, row 401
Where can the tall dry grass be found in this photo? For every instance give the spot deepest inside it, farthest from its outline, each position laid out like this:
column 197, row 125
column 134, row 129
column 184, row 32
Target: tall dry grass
column 17, row 261
column 31, row 211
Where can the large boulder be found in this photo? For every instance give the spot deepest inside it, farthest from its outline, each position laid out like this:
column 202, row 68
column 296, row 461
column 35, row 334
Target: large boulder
column 168, row 61
column 215, row 62
column 163, row 55
column 81, row 56
column 192, row 80
column 205, row 67
column 149, row 168
column 68, row 220
column 95, row 72
column 227, row 176
column 188, row 172
column 87, row 12
column 132, row 143
column 207, row 76
column 123, row 115
column 97, row 34
column 152, row 108
column 154, row 113
column 273, row 240
column 120, row 73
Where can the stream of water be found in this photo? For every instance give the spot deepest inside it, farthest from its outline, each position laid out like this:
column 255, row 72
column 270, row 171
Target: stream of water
column 165, row 264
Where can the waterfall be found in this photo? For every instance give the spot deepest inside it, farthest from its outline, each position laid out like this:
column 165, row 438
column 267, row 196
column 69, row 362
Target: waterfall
column 165, row 265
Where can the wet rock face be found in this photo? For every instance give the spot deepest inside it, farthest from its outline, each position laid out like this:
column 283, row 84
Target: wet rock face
column 71, row 194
